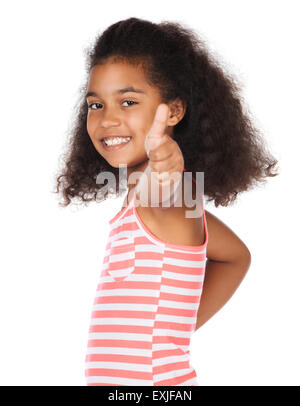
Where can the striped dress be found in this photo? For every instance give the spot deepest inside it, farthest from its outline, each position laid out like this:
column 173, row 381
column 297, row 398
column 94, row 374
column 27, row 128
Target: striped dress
column 145, row 308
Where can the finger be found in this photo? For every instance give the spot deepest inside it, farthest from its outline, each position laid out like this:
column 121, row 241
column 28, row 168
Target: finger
column 162, row 152
column 152, row 144
column 167, row 165
column 155, row 135
column 171, row 175
column 160, row 121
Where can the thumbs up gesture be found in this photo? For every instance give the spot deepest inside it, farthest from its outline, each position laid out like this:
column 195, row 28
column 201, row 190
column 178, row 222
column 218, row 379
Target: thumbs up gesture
column 165, row 164
column 165, row 156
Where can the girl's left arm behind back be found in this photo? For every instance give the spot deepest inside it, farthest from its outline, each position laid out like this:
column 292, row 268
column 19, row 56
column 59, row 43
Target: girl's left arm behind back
column 228, row 260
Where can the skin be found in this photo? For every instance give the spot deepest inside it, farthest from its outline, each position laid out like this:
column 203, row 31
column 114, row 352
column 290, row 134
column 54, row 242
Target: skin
column 110, row 113
column 116, row 116
column 228, row 258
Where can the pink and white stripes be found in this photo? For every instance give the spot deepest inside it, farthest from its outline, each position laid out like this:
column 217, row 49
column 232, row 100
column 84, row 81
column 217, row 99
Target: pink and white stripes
column 145, row 308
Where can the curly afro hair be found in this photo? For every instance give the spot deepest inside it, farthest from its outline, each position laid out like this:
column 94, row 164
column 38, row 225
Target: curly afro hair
column 216, row 135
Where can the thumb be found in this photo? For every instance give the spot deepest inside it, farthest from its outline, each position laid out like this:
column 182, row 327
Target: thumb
column 155, row 135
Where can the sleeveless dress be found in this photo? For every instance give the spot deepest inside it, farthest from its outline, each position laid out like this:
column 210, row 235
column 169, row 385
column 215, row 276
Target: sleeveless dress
column 145, row 308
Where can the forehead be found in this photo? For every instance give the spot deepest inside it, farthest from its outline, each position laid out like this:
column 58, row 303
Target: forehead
column 112, row 75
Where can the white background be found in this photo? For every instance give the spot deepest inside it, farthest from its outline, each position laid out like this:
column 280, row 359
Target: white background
column 51, row 257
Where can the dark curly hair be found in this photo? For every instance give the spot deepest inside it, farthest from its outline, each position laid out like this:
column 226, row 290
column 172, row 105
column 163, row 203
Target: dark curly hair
column 216, row 135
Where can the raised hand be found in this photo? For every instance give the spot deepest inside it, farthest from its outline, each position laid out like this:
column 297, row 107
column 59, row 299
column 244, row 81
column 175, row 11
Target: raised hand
column 165, row 156
column 165, row 164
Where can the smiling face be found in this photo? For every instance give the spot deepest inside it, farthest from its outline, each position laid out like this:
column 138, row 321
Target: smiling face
column 116, row 110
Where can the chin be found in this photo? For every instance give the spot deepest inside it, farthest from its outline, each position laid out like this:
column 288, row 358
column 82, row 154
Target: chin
column 116, row 164
column 138, row 166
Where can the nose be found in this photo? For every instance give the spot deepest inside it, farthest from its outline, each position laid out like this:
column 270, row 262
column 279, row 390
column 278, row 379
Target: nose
column 109, row 118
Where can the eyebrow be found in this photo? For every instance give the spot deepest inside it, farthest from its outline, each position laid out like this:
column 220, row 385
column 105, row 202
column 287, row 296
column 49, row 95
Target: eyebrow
column 120, row 91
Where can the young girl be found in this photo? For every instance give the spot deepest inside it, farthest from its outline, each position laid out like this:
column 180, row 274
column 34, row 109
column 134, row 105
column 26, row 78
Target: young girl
column 147, row 300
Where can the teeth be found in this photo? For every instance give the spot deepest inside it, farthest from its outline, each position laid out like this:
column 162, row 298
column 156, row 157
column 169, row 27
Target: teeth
column 116, row 141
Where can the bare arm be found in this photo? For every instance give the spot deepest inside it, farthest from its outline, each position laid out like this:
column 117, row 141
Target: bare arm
column 228, row 260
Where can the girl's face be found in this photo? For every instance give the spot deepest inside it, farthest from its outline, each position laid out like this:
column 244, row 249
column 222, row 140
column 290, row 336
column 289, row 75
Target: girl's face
column 121, row 103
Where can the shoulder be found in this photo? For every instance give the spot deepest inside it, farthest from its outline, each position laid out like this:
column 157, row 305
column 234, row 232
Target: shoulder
column 223, row 243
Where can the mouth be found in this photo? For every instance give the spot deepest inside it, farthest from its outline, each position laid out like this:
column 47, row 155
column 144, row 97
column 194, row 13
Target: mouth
column 113, row 143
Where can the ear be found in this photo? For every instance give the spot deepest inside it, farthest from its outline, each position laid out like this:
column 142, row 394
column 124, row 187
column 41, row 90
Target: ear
column 177, row 110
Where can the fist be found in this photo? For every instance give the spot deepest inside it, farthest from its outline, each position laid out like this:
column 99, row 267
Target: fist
column 165, row 156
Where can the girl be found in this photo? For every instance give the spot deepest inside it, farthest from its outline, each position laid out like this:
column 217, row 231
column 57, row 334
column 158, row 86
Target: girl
column 147, row 300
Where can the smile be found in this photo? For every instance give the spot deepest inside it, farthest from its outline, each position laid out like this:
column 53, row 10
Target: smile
column 112, row 144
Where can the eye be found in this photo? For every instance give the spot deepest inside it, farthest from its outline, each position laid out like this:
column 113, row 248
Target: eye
column 130, row 101
column 90, row 105
column 125, row 101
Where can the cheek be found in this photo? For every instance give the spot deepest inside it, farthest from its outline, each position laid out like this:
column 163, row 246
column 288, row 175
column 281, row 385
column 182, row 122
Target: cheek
column 139, row 127
column 90, row 126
